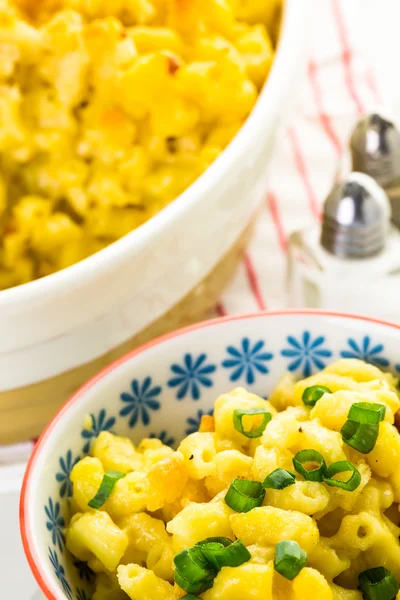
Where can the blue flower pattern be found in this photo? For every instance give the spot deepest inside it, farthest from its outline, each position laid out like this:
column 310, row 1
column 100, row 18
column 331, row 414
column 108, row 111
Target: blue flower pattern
column 66, row 465
column 84, row 571
column 194, row 422
column 60, row 572
column 140, row 401
column 99, row 424
column 306, row 353
column 365, row 350
column 247, row 360
column 163, row 437
column 190, row 377
column 55, row 523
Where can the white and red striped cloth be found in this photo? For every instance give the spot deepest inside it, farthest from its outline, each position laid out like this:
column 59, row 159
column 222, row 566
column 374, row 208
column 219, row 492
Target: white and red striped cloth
column 340, row 86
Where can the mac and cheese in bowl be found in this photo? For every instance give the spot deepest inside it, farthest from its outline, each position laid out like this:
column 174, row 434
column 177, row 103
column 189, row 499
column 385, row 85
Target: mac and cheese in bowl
column 109, row 109
column 295, row 497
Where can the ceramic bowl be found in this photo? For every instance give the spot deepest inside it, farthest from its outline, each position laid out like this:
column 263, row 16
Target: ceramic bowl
column 49, row 328
column 163, row 389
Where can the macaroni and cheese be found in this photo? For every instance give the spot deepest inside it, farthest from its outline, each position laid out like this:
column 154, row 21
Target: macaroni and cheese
column 109, row 109
column 296, row 498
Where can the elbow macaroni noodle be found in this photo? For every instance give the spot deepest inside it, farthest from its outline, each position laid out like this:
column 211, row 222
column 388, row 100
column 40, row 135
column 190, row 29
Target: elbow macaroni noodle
column 171, row 500
column 88, row 151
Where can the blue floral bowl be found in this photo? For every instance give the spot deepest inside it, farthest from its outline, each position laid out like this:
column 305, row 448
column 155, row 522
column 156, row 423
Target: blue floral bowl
column 163, row 389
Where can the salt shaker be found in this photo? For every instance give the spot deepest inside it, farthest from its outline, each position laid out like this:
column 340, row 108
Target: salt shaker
column 351, row 262
column 375, row 150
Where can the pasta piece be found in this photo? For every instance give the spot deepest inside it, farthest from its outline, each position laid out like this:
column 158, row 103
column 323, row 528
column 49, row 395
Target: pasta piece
column 130, row 494
column 226, row 404
column 247, row 582
column 227, row 465
column 385, row 457
column 326, row 442
column 267, row 460
column 266, row 526
column 309, row 583
column 141, row 584
column 86, row 477
column 167, row 479
column 358, row 370
column 95, row 535
column 308, row 497
column 116, row 453
column 207, row 424
column 332, row 409
column 327, row 560
column 198, row 450
column 339, row 593
column 282, row 395
column 197, row 521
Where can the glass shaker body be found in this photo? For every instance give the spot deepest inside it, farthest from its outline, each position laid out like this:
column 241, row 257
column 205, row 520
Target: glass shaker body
column 319, row 279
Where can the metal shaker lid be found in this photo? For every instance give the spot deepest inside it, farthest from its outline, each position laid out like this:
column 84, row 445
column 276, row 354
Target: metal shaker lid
column 356, row 218
column 375, row 148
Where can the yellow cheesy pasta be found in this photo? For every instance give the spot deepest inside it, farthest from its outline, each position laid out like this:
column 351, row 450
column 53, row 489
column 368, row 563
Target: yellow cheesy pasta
column 109, row 109
column 294, row 498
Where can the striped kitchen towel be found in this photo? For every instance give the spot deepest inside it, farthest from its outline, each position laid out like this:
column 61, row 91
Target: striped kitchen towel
column 340, row 87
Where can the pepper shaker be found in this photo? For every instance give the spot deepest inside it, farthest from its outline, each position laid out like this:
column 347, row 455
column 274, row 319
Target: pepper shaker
column 375, row 150
column 351, row 261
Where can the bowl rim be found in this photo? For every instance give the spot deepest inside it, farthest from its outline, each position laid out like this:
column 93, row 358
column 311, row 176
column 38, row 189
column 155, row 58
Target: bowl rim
column 104, row 261
column 33, row 559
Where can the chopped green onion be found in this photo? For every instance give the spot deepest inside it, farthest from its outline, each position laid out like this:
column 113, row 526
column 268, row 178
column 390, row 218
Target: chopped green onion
column 195, row 587
column 279, row 479
column 238, row 415
column 243, row 495
column 193, row 573
column 310, row 464
column 290, row 558
column 219, row 555
column 367, row 413
column 343, row 466
column 218, row 540
column 360, row 436
column 106, row 487
column 312, row 394
column 378, row 584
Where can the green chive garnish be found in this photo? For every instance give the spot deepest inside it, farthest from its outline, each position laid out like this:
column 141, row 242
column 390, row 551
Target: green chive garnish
column 238, row 415
column 367, row 413
column 106, row 487
column 378, row 584
column 361, row 429
column 221, row 555
column 193, row 573
column 244, row 495
column 279, row 479
column 193, row 587
column 343, row 466
column 216, row 540
column 312, row 394
column 310, row 464
column 360, row 436
column 197, row 567
column 290, row 558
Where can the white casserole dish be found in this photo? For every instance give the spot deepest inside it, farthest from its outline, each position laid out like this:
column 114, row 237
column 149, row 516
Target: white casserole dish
column 55, row 324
